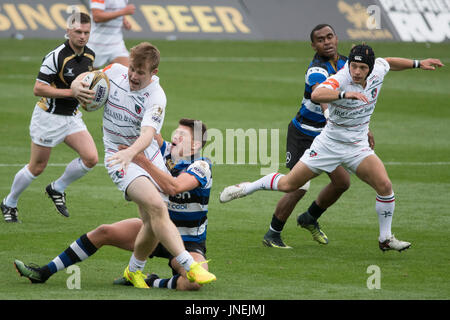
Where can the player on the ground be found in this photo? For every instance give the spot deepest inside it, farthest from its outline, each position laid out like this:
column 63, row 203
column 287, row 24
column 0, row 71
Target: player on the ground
column 188, row 188
column 302, row 130
column 352, row 94
column 133, row 115
column 56, row 118
column 108, row 18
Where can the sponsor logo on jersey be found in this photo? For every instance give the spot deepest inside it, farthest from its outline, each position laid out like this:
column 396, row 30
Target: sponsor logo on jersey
column 69, row 72
column 120, row 173
column 138, row 108
column 374, row 93
column 312, row 154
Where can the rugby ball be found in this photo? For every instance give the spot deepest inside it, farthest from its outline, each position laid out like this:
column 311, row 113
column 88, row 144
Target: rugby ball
column 98, row 82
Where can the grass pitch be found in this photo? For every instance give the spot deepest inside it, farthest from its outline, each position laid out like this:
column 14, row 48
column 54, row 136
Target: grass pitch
column 247, row 85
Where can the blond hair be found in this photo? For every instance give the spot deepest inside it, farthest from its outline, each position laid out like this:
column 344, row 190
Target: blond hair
column 145, row 52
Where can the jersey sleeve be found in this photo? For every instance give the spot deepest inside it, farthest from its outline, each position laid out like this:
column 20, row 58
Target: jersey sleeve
column 315, row 75
column 201, row 171
column 337, row 81
column 98, row 4
column 49, row 69
column 154, row 116
column 382, row 67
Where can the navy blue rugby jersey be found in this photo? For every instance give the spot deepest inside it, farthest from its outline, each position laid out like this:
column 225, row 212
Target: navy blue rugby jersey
column 309, row 119
column 188, row 210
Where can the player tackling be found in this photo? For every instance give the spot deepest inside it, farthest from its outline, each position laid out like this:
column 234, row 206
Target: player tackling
column 352, row 94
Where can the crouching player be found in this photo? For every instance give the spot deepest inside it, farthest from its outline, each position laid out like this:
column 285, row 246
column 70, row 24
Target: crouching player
column 188, row 188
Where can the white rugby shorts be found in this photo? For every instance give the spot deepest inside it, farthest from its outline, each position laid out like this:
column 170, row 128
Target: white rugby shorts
column 122, row 181
column 326, row 155
column 48, row 129
column 106, row 53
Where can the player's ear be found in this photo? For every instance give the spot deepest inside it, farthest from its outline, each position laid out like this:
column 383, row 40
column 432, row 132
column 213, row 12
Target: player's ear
column 154, row 71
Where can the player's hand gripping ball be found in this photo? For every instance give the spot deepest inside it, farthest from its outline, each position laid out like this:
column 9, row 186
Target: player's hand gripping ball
column 99, row 83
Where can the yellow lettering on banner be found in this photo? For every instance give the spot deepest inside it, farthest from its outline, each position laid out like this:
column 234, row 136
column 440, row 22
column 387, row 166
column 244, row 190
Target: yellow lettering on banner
column 205, row 21
column 231, row 19
column 41, row 16
column 56, row 11
column 5, row 24
column 157, row 18
column 19, row 24
column 134, row 25
column 181, row 21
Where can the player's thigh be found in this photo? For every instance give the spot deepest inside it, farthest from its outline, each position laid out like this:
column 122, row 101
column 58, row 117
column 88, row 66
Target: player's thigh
column 120, row 234
column 340, row 178
column 143, row 192
column 297, row 177
column 372, row 171
column 83, row 143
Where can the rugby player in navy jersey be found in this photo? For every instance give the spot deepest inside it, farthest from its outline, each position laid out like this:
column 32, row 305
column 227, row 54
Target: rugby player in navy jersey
column 302, row 130
column 188, row 188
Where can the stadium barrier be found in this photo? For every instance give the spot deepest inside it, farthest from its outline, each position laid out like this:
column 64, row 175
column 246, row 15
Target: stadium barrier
column 385, row 20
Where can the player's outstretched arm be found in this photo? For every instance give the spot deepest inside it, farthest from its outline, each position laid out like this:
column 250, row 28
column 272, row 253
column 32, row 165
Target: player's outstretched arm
column 399, row 64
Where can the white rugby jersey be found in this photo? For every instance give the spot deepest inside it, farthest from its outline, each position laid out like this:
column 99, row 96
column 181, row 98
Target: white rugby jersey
column 349, row 119
column 127, row 111
column 110, row 32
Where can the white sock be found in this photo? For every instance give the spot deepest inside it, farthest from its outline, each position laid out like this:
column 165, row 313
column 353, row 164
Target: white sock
column 268, row 182
column 74, row 171
column 385, row 206
column 21, row 181
column 136, row 264
column 185, row 260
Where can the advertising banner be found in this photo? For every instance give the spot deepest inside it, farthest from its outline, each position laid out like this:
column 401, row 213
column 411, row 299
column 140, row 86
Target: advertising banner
column 384, row 20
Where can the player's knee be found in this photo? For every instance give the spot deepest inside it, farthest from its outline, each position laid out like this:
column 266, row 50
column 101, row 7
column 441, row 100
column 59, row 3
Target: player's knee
column 384, row 187
column 103, row 233
column 37, row 168
column 90, row 160
column 342, row 185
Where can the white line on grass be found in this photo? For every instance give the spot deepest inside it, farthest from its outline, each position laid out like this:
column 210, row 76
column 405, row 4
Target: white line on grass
column 389, row 163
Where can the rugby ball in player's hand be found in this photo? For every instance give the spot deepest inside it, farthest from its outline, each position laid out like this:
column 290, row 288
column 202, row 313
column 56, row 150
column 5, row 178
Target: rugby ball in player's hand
column 99, row 83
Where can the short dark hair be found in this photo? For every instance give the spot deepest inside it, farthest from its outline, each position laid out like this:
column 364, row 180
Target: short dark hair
column 319, row 27
column 81, row 17
column 195, row 125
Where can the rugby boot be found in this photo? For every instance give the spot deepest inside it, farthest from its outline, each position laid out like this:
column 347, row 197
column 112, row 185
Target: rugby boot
column 273, row 239
column 393, row 244
column 9, row 213
column 59, row 199
column 306, row 221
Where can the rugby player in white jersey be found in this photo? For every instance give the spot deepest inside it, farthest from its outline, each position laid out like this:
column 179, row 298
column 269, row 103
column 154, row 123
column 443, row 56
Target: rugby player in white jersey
column 108, row 18
column 188, row 187
column 133, row 115
column 352, row 94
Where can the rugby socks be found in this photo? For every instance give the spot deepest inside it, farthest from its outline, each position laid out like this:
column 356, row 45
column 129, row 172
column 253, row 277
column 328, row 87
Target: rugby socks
column 136, row 264
column 78, row 251
column 315, row 211
column 276, row 225
column 185, row 260
column 74, row 171
column 21, row 181
column 170, row 283
column 385, row 206
column 268, row 182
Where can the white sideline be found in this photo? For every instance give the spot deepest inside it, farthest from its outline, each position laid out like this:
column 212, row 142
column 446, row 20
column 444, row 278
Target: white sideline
column 389, row 163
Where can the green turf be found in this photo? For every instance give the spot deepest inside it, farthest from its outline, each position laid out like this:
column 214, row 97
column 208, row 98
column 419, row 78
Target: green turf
column 235, row 90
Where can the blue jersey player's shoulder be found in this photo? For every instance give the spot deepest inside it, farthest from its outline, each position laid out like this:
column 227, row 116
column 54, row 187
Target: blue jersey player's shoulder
column 201, row 170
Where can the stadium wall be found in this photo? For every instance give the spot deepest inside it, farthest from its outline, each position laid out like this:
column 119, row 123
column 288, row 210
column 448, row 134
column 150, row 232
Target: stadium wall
column 386, row 20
